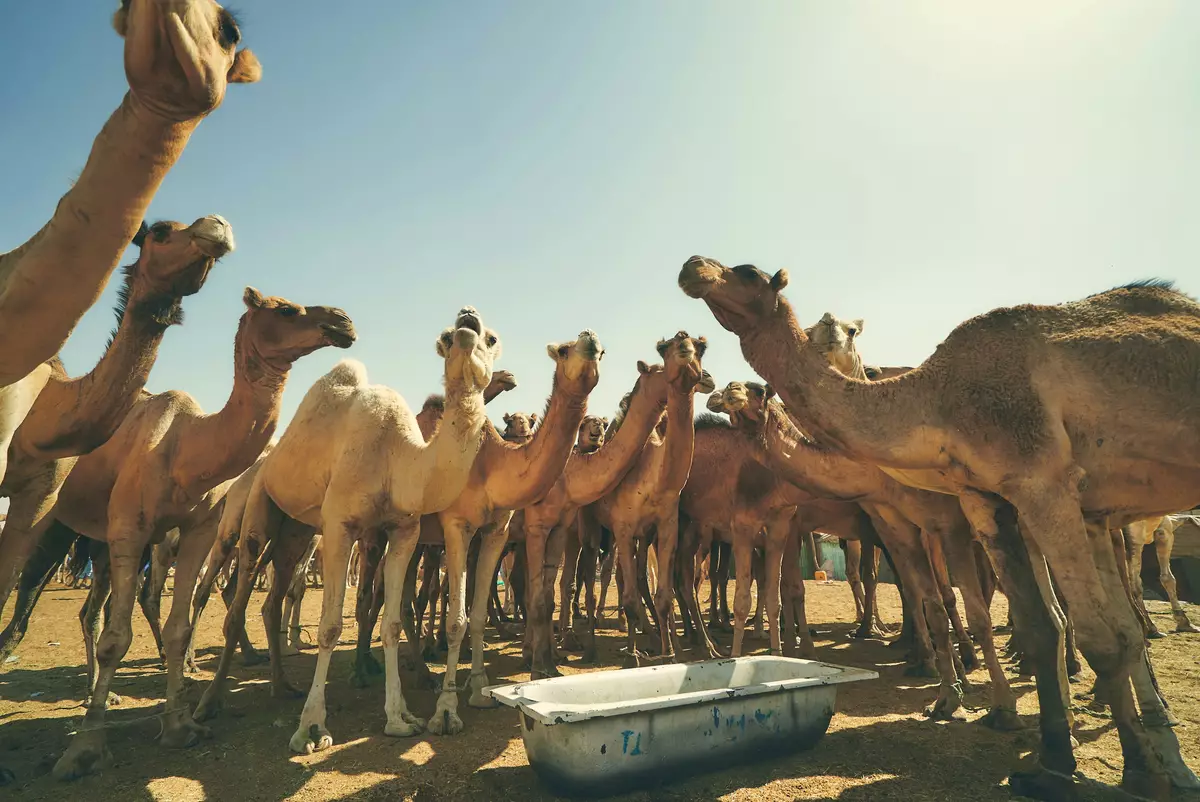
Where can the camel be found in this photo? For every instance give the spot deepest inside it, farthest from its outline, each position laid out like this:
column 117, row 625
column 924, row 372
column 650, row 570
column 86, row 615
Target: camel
column 505, row 478
column 153, row 474
column 518, row 427
column 352, row 461
column 646, row 500
column 71, row 417
column 179, row 57
column 1160, row 532
column 588, row 439
column 543, row 525
column 1037, row 432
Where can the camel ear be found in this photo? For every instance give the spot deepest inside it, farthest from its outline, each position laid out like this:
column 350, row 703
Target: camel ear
column 604, row 423
column 643, row 368
column 245, row 69
column 662, row 347
column 701, row 346
column 253, row 298
column 857, row 326
column 779, row 280
column 507, row 419
column 554, row 350
column 770, row 392
column 139, row 239
column 121, row 19
column 533, row 419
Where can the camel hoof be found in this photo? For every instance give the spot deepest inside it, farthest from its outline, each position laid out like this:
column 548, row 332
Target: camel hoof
column 970, row 660
column 253, row 658
column 1154, row 634
column 921, row 670
column 407, row 726
column 1143, row 784
column 1002, row 720
column 481, row 702
column 570, row 642
column 1043, row 784
column 87, row 754
column 288, row 650
column 184, row 735
column 941, row 710
column 314, row 739
column 866, row 634
column 208, row 708
column 632, row 660
column 1186, row 626
column 448, row 723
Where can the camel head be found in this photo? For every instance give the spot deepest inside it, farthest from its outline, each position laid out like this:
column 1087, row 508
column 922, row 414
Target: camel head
column 280, row 332
column 744, row 402
column 578, row 364
column 469, row 350
column 181, row 54
column 681, row 357
column 834, row 338
column 502, row 382
column 175, row 259
column 591, row 434
column 706, row 384
column 740, row 298
column 518, row 426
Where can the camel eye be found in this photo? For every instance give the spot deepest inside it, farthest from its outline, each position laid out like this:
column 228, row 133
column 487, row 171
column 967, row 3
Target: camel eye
column 289, row 311
column 230, row 35
column 160, row 232
column 491, row 340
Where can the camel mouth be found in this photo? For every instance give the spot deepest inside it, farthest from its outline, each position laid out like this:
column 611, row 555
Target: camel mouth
column 588, row 345
column 339, row 337
column 213, row 248
column 468, row 318
column 698, row 276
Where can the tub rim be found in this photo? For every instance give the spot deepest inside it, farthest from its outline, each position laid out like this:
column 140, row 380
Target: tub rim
column 551, row 713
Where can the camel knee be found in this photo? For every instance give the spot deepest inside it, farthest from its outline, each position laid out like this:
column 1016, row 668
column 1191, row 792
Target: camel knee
column 176, row 636
column 328, row 636
column 390, row 632
column 113, row 644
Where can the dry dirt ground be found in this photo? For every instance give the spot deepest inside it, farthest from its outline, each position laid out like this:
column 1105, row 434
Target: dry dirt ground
column 878, row 746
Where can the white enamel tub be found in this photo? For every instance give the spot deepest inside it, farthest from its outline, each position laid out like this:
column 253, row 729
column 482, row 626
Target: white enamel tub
column 601, row 733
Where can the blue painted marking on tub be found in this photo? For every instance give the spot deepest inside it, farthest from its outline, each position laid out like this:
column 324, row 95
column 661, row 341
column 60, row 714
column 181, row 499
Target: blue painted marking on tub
column 762, row 717
column 625, row 745
column 716, row 718
column 637, row 746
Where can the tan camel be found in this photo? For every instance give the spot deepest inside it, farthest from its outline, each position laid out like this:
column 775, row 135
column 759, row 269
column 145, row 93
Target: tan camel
column 179, row 57
column 159, row 468
column 518, row 427
column 504, row 478
column 544, row 526
column 646, row 500
column 1160, row 532
column 1023, row 404
column 353, row 460
column 71, row 417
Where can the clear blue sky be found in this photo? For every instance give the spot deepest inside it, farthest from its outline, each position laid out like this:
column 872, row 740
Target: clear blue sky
column 554, row 164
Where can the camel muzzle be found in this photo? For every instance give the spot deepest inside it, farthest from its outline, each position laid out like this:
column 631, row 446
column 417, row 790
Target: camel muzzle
column 468, row 318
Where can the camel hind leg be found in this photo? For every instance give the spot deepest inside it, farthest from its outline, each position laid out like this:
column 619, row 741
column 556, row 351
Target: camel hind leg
column 1164, row 544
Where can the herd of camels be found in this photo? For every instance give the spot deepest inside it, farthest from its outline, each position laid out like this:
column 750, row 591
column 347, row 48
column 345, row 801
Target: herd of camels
column 1035, row 452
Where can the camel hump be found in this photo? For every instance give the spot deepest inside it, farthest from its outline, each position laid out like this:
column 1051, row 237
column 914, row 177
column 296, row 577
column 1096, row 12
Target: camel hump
column 348, row 372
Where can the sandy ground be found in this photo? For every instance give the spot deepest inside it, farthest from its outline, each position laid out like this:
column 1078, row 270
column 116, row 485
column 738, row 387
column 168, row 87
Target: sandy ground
column 878, row 746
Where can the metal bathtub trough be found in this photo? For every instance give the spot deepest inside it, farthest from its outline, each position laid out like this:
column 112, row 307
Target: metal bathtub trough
column 601, row 733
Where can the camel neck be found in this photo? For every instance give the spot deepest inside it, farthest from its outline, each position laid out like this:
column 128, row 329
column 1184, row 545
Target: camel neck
column 856, row 417
column 447, row 459
column 680, row 442
column 814, row 470
column 90, row 228
column 74, row 416
column 224, row 444
column 518, row 477
column 590, row 477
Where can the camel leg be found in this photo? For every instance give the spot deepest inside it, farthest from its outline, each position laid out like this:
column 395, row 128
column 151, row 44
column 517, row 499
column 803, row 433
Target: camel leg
column 647, row 611
column 294, row 599
column 27, row 523
column 566, row 591
column 854, row 550
column 696, row 544
column 493, row 539
column 89, row 616
column 627, row 588
column 179, row 730
column 427, row 600
column 779, row 532
column 1105, row 625
column 664, row 592
column 539, row 582
column 589, row 542
column 402, row 542
column 1134, row 550
column 743, row 564
column 937, row 559
column 960, row 556
column 366, row 611
column 53, row 542
column 759, row 578
column 795, row 617
column 312, row 735
column 88, row 749
column 606, row 574
column 458, row 533
column 290, row 549
column 261, row 525
column 150, row 599
column 218, row 557
column 424, row 678
column 1164, row 544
